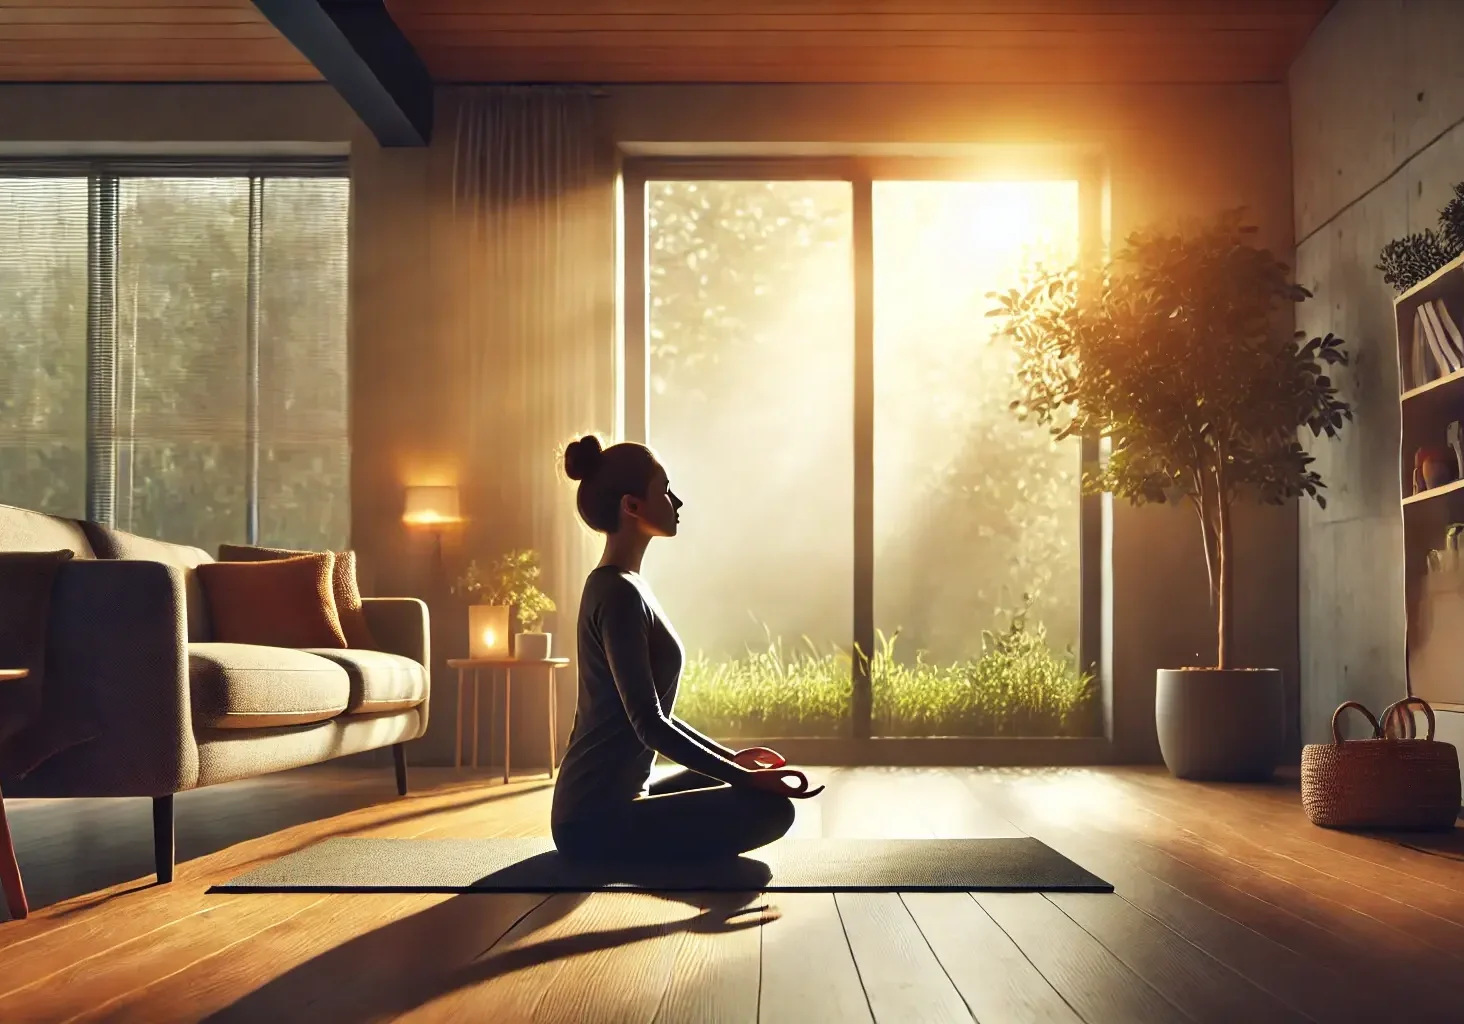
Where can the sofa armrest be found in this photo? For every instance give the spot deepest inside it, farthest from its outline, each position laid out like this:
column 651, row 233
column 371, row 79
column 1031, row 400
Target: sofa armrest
column 400, row 626
column 117, row 658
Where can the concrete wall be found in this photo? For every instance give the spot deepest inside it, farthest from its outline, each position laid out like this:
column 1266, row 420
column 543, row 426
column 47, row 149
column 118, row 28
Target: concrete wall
column 1377, row 101
column 1168, row 153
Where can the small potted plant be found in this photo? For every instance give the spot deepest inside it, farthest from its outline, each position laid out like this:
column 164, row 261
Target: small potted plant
column 1181, row 356
column 507, row 586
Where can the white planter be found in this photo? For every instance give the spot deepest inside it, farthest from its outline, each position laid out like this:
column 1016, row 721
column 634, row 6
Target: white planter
column 532, row 646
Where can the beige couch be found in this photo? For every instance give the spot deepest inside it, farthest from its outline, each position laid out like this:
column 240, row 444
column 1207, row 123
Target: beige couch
column 128, row 647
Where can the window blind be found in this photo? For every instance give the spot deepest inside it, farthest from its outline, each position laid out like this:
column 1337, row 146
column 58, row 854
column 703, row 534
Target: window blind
column 44, row 244
column 207, row 354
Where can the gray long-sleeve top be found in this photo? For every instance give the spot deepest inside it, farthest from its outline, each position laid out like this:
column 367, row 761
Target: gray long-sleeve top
column 630, row 663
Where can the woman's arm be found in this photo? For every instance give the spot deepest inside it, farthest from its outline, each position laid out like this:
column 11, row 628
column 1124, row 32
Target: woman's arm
column 702, row 740
column 625, row 631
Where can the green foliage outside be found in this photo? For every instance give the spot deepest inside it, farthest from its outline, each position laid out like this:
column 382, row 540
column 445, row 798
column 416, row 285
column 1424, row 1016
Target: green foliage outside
column 1018, row 686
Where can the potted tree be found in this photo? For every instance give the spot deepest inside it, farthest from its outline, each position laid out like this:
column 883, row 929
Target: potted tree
column 507, row 586
column 1180, row 356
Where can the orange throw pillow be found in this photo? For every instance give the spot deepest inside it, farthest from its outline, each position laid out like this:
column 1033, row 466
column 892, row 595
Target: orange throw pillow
column 343, row 582
column 288, row 602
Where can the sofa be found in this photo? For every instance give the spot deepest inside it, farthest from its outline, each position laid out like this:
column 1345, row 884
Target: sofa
column 128, row 645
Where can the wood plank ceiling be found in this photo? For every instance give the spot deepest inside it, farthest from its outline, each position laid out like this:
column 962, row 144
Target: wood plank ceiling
column 916, row 41
column 144, row 41
column 858, row 40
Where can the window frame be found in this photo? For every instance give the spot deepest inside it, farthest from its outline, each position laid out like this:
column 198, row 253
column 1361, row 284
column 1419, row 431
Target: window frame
column 1095, row 511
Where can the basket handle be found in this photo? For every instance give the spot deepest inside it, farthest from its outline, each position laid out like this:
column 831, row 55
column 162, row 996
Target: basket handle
column 1401, row 709
column 1337, row 720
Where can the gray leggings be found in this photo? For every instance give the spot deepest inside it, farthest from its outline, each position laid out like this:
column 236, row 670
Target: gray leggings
column 687, row 816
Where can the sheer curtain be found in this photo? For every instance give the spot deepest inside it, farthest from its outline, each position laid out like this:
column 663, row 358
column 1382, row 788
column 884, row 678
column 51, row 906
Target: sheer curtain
column 530, row 261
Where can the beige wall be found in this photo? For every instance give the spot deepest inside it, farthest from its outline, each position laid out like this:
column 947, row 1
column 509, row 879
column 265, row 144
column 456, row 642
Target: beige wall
column 1378, row 124
column 1168, row 152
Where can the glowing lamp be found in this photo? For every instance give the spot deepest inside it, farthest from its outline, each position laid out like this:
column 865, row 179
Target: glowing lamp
column 431, row 506
column 488, row 631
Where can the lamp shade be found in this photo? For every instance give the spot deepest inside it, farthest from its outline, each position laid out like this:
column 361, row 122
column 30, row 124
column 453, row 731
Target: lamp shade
column 431, row 506
column 488, row 631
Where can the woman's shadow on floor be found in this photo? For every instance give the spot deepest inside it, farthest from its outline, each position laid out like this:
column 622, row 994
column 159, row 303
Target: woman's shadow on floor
column 456, row 944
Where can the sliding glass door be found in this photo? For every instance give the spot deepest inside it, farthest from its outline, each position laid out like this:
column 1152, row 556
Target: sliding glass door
column 874, row 545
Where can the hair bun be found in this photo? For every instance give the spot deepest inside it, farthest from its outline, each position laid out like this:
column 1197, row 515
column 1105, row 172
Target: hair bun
column 582, row 457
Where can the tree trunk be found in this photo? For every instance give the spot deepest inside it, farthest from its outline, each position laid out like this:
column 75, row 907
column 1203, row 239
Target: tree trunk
column 1207, row 538
column 1226, row 626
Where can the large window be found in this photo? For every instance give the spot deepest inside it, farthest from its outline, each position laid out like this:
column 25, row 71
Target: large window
column 173, row 348
column 874, row 545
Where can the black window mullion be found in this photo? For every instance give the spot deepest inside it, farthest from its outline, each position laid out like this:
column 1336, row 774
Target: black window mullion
column 251, row 373
column 101, row 350
column 862, row 697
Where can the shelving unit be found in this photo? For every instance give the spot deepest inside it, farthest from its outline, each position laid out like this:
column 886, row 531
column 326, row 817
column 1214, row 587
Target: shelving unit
column 1435, row 600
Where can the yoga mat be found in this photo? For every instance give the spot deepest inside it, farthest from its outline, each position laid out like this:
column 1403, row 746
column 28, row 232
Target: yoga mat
column 789, row 865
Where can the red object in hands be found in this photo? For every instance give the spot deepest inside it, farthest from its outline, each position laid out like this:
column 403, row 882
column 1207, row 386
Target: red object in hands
column 754, row 758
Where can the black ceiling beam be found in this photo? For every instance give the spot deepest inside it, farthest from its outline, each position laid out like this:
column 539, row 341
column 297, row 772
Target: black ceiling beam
column 363, row 54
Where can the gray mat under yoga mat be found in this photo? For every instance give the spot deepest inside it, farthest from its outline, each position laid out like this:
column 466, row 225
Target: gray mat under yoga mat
column 531, row 865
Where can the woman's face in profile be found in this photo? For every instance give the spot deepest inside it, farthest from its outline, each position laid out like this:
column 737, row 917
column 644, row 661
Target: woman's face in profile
column 659, row 512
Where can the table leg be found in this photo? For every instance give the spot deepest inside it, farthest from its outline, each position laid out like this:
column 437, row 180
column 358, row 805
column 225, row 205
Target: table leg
column 553, row 714
column 10, row 871
column 475, row 718
column 457, row 757
column 507, row 717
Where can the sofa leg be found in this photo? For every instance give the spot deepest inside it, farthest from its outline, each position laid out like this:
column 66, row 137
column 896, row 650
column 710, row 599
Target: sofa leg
column 399, row 755
column 163, row 837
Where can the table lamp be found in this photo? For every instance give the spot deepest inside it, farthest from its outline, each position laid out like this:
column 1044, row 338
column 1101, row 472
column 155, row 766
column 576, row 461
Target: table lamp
column 487, row 631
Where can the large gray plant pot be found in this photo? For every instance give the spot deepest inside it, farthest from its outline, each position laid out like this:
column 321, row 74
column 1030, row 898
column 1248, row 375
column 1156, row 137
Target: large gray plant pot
column 1221, row 725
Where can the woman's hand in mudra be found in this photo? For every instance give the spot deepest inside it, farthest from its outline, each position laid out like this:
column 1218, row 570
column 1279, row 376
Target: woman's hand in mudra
column 788, row 782
column 754, row 758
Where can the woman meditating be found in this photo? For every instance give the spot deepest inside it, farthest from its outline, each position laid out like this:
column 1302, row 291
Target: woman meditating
column 724, row 802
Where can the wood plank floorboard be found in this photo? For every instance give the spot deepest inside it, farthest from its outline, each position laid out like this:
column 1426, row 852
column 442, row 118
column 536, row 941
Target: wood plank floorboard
column 1242, row 942
column 993, row 976
column 1229, row 906
column 901, row 976
column 1324, row 932
column 808, row 969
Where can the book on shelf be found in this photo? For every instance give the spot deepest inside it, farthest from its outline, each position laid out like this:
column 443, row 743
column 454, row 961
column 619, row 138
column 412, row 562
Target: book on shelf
column 1440, row 344
column 1451, row 330
column 1416, row 368
column 1428, row 361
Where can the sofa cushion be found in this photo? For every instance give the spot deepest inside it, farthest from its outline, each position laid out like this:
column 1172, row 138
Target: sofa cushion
column 343, row 583
column 243, row 686
column 24, row 530
column 282, row 603
column 109, row 542
column 379, row 681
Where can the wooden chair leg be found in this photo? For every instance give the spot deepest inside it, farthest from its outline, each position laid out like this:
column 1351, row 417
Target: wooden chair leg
column 399, row 755
column 10, row 872
column 163, row 837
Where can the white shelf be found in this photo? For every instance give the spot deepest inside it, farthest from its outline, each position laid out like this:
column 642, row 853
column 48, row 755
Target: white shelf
column 1434, row 492
column 1441, row 382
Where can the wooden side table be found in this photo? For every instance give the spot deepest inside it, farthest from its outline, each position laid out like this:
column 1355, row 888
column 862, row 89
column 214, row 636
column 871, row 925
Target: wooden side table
column 469, row 668
column 9, row 866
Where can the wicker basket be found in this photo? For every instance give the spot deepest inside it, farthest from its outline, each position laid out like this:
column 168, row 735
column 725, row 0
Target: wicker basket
column 1382, row 782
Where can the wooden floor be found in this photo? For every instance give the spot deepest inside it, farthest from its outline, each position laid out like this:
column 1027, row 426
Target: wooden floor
column 1229, row 908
